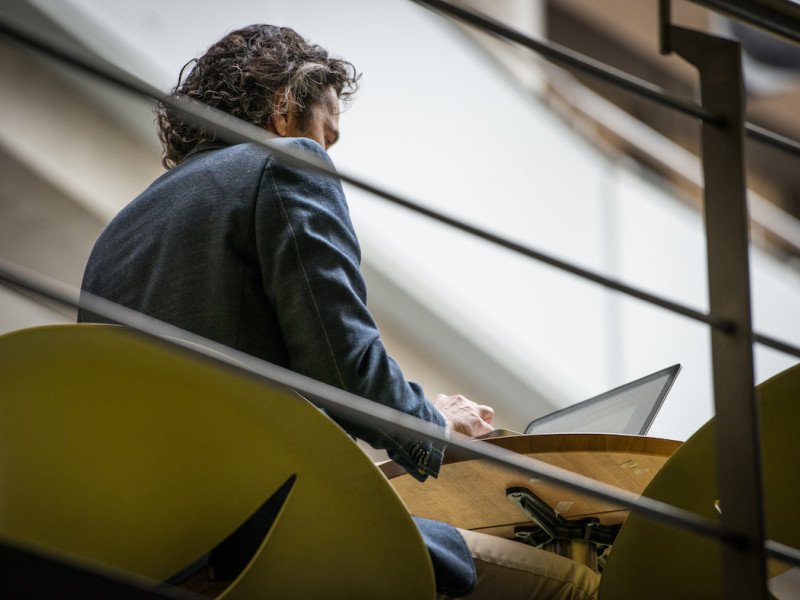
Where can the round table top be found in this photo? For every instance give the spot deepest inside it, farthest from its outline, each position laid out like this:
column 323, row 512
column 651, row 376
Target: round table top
column 471, row 493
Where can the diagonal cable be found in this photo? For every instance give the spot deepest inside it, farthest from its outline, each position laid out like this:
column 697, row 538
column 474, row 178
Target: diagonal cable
column 570, row 59
column 235, row 131
column 350, row 407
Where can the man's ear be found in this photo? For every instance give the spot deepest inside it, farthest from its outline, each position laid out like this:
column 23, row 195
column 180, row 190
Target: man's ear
column 279, row 121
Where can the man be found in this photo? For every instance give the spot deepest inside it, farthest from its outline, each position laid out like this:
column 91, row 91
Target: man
column 235, row 246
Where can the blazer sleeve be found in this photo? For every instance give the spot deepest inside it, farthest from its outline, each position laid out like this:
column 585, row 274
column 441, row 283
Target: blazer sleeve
column 310, row 263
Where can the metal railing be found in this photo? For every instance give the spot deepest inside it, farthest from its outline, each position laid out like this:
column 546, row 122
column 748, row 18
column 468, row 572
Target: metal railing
column 741, row 531
column 723, row 129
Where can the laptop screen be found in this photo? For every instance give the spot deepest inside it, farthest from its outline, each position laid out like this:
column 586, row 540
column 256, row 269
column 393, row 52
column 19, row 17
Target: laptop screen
column 629, row 409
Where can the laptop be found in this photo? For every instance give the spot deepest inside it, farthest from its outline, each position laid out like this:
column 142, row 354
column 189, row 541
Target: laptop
column 629, row 409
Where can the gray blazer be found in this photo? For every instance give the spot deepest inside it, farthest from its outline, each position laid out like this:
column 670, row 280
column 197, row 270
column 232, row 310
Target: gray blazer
column 237, row 247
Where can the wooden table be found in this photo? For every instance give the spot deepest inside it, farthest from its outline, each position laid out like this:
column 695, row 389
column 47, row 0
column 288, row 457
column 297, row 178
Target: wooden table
column 471, row 494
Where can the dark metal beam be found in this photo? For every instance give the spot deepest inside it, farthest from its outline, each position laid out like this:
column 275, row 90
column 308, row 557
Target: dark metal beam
column 737, row 431
column 779, row 17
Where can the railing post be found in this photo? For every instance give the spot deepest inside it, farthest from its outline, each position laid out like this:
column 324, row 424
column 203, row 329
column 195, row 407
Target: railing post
column 737, row 423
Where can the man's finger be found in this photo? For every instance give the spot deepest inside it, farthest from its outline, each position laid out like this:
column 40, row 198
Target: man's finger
column 486, row 412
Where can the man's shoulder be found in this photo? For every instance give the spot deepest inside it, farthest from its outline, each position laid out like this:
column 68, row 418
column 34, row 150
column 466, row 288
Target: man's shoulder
column 303, row 148
column 298, row 142
column 252, row 154
column 278, row 143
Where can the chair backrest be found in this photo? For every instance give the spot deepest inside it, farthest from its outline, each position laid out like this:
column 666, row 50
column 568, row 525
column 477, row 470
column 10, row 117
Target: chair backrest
column 650, row 560
column 127, row 452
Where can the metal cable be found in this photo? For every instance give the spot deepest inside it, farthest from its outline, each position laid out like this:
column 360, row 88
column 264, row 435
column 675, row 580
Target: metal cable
column 353, row 408
column 603, row 72
column 234, row 131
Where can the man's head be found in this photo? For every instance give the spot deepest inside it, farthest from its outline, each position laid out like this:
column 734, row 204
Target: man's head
column 268, row 76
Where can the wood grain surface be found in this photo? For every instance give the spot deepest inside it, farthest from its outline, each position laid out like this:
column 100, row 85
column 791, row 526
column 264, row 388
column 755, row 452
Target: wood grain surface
column 470, row 493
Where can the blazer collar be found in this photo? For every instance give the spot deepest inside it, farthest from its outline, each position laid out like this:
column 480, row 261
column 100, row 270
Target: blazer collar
column 206, row 146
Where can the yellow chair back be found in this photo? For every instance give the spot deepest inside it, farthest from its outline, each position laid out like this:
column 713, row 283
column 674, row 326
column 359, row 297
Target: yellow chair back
column 143, row 457
column 654, row 561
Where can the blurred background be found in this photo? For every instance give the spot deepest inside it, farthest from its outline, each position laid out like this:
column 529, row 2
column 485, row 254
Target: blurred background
column 467, row 125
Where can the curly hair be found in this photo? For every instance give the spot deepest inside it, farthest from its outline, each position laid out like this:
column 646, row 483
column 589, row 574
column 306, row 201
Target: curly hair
column 241, row 75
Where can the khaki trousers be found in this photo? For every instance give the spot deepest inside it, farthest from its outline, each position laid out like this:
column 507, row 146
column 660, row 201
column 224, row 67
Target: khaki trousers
column 511, row 570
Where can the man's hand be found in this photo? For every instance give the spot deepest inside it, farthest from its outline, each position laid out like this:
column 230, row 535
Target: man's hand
column 464, row 415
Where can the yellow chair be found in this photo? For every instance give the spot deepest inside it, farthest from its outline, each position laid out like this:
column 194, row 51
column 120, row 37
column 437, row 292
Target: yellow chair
column 654, row 561
column 122, row 451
